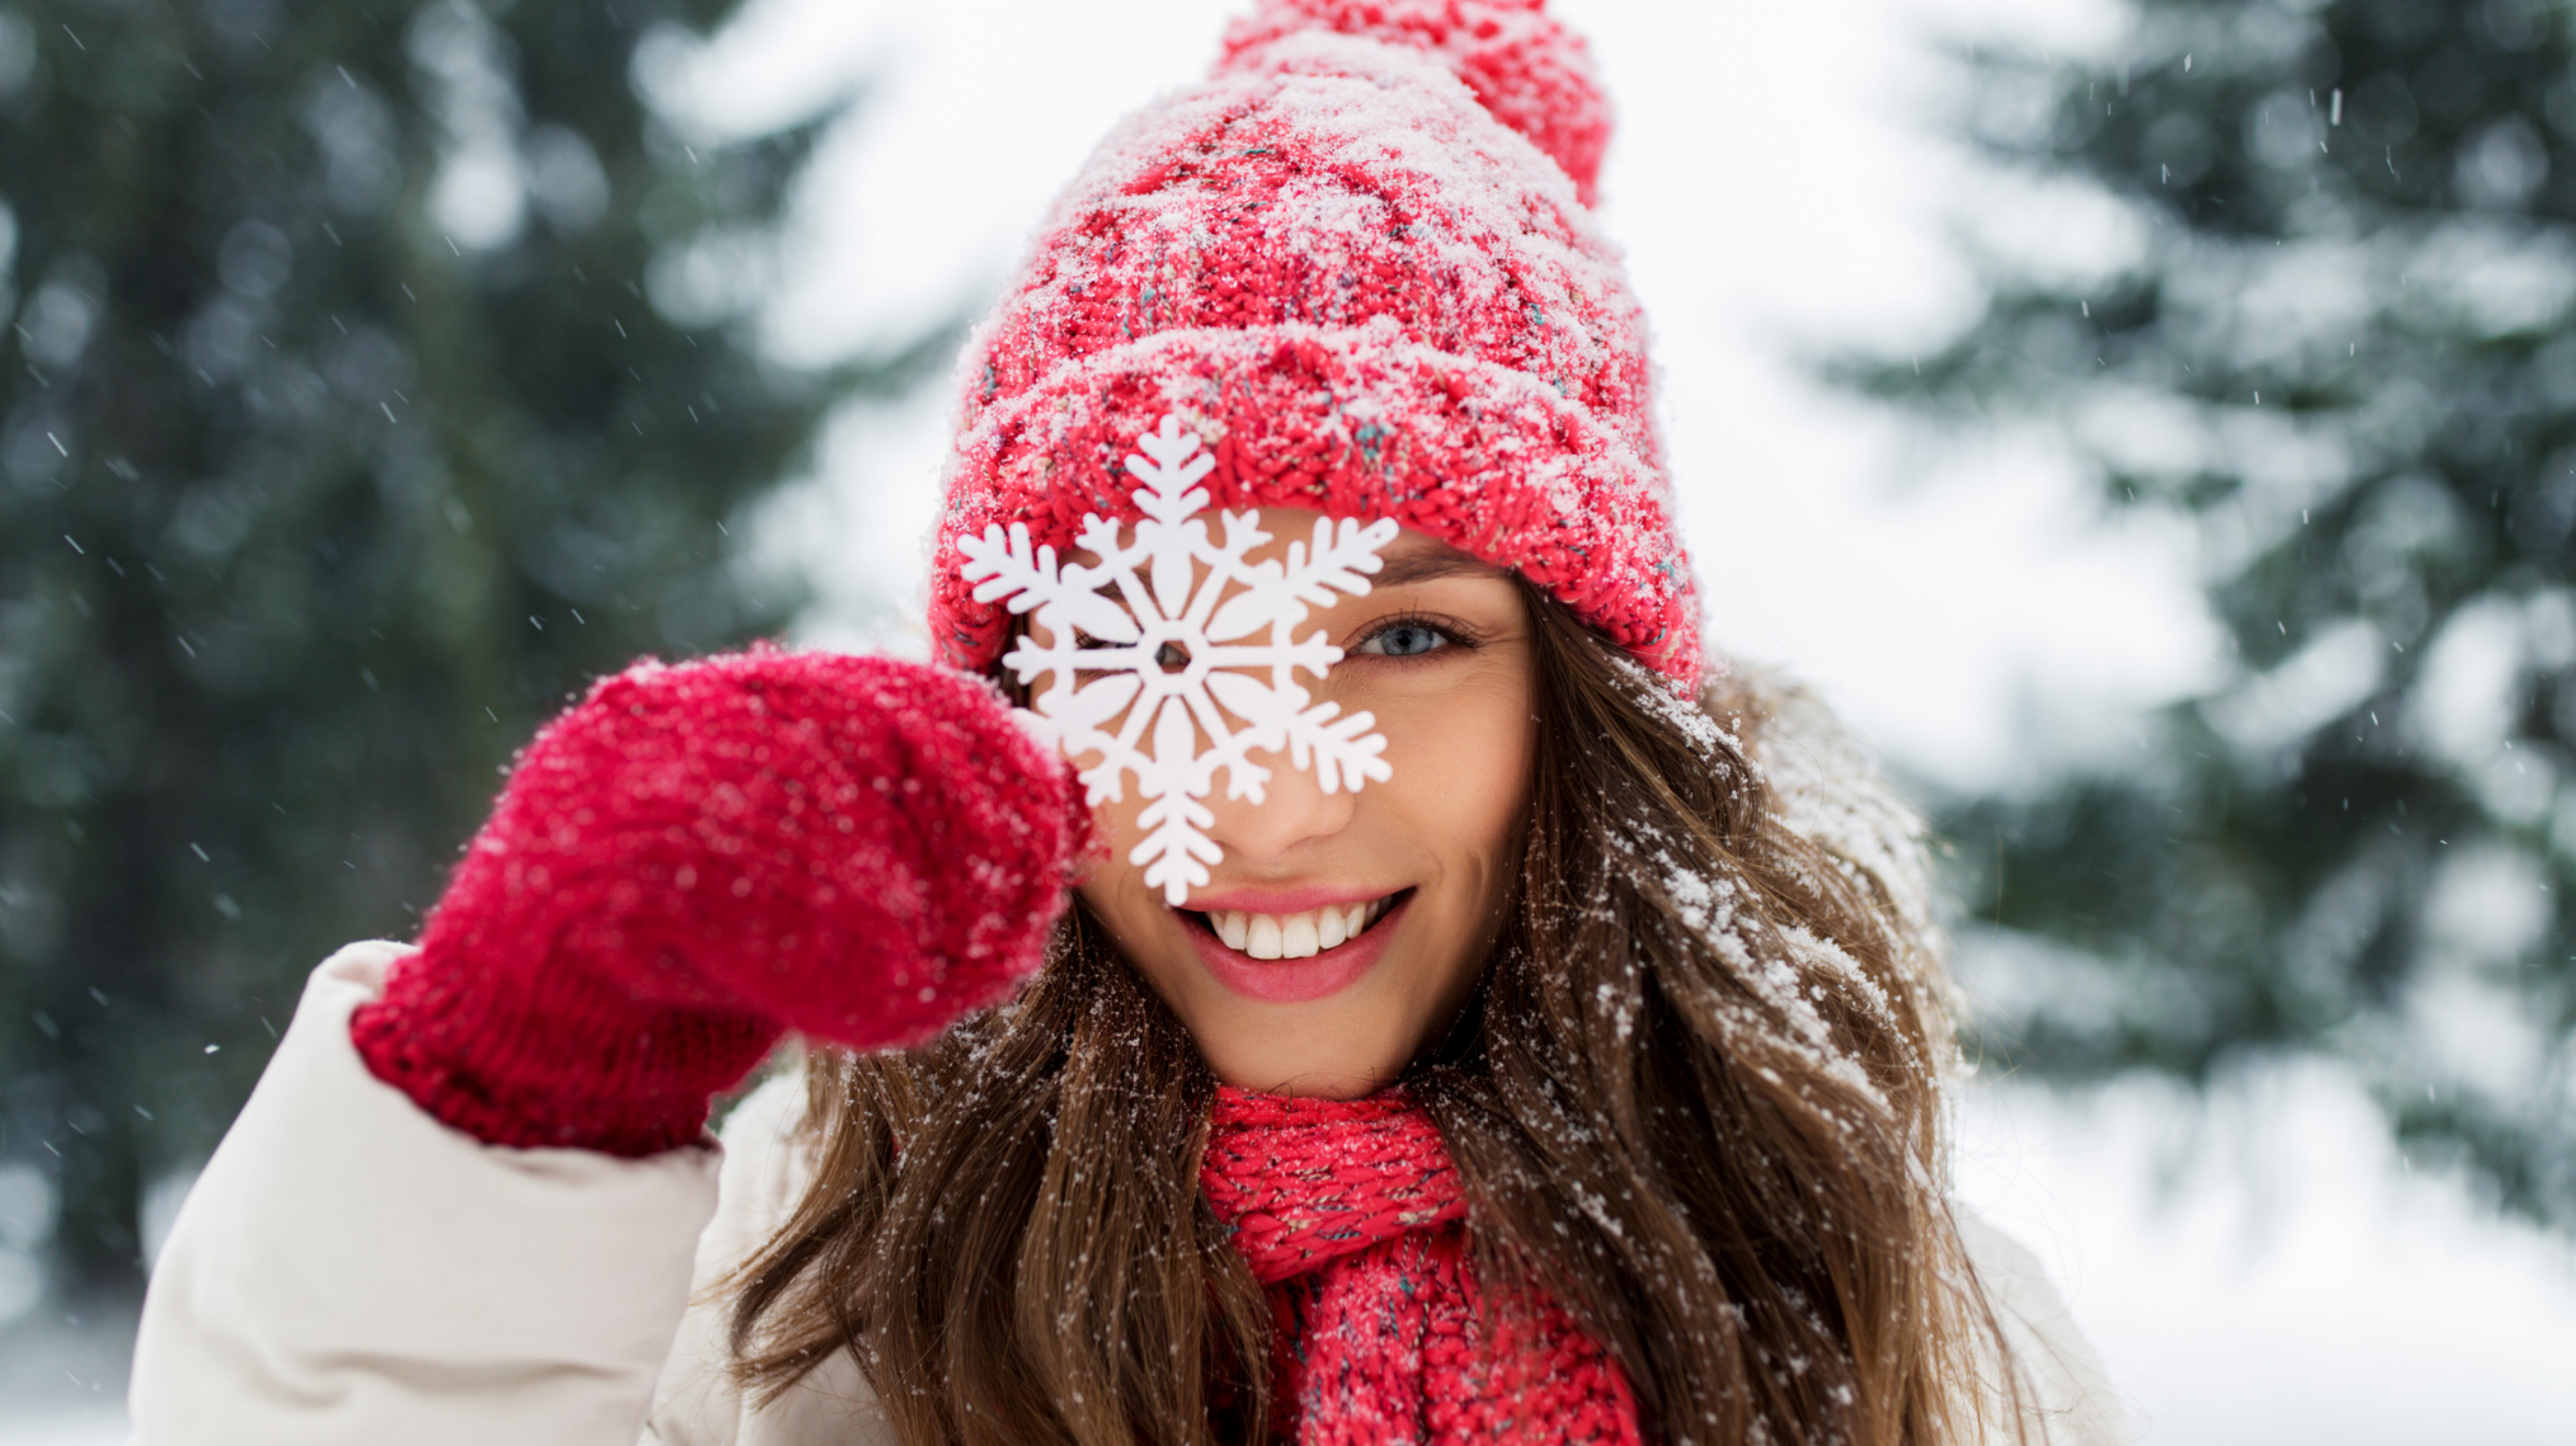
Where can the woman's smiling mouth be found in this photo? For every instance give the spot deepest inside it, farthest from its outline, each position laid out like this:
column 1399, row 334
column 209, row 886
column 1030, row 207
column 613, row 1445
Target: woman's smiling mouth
column 1287, row 954
column 1295, row 936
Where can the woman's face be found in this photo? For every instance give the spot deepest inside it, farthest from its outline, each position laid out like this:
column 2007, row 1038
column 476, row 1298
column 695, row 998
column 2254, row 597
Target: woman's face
column 1260, row 963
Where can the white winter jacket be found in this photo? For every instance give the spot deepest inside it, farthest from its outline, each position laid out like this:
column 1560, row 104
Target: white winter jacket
column 349, row 1270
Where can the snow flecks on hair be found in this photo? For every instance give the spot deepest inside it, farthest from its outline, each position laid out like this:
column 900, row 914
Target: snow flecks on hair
column 1679, row 708
column 1793, row 982
column 1827, row 788
column 1861, row 842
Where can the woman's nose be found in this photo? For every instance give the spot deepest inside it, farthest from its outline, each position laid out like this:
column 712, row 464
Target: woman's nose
column 1294, row 810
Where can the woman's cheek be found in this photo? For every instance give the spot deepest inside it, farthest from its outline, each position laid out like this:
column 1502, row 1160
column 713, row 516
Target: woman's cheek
column 1462, row 758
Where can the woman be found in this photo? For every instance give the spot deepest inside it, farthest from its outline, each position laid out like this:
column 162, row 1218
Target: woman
column 1468, row 1019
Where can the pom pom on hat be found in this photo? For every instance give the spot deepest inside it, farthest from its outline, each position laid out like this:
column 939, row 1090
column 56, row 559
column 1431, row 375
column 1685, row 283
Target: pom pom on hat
column 1528, row 71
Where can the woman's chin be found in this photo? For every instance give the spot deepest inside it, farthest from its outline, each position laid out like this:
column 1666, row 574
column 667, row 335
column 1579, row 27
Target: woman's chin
column 1261, row 1066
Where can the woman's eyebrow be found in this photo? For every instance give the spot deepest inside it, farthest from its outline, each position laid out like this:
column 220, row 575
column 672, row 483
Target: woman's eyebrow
column 1427, row 566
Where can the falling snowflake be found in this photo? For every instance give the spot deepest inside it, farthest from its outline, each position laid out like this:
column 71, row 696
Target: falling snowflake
column 1150, row 659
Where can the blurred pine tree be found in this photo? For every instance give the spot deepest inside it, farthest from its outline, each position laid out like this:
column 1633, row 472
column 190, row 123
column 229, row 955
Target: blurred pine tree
column 377, row 376
column 2341, row 340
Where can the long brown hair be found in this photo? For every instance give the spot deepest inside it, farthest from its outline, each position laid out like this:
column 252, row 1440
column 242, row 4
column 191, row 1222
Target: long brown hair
column 1697, row 1099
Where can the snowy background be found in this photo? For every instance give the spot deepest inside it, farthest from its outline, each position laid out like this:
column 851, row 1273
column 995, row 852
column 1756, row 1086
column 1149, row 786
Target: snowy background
column 2260, row 1267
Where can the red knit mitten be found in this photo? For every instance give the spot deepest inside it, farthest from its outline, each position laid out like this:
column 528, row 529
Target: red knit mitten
column 695, row 858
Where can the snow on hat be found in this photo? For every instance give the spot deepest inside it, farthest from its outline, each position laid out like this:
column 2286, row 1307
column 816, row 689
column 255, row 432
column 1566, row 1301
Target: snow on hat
column 1358, row 265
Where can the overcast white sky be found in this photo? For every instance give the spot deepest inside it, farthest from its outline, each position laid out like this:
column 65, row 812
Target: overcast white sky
column 2268, row 1272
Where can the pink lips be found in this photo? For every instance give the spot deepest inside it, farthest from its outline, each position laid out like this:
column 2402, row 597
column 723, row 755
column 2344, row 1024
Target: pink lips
column 1291, row 981
column 1283, row 901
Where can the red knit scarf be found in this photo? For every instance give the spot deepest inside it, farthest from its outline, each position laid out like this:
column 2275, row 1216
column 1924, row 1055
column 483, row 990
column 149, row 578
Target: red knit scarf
column 1349, row 1211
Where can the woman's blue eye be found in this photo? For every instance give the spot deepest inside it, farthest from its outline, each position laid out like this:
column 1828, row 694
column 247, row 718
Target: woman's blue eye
column 1405, row 640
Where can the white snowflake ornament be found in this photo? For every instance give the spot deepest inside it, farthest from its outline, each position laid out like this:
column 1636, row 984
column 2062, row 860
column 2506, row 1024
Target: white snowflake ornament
column 1179, row 675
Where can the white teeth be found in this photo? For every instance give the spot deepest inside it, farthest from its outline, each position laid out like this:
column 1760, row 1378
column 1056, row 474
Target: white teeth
column 1262, row 940
column 1295, row 936
column 1298, row 938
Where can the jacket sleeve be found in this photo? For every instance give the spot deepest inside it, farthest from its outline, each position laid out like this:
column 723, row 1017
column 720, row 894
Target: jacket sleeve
column 2064, row 1397
column 767, row 1162
column 349, row 1269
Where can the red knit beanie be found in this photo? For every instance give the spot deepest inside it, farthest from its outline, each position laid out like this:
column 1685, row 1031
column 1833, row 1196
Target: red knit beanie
column 1357, row 264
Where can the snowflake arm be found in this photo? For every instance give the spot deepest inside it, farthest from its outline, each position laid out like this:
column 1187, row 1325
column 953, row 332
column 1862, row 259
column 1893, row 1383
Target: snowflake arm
column 1279, row 596
column 1176, row 851
column 1343, row 751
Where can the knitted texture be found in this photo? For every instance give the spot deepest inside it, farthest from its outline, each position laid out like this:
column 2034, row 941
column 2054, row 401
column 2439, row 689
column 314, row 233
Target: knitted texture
column 1528, row 72
column 1350, row 1212
column 695, row 858
column 1366, row 293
